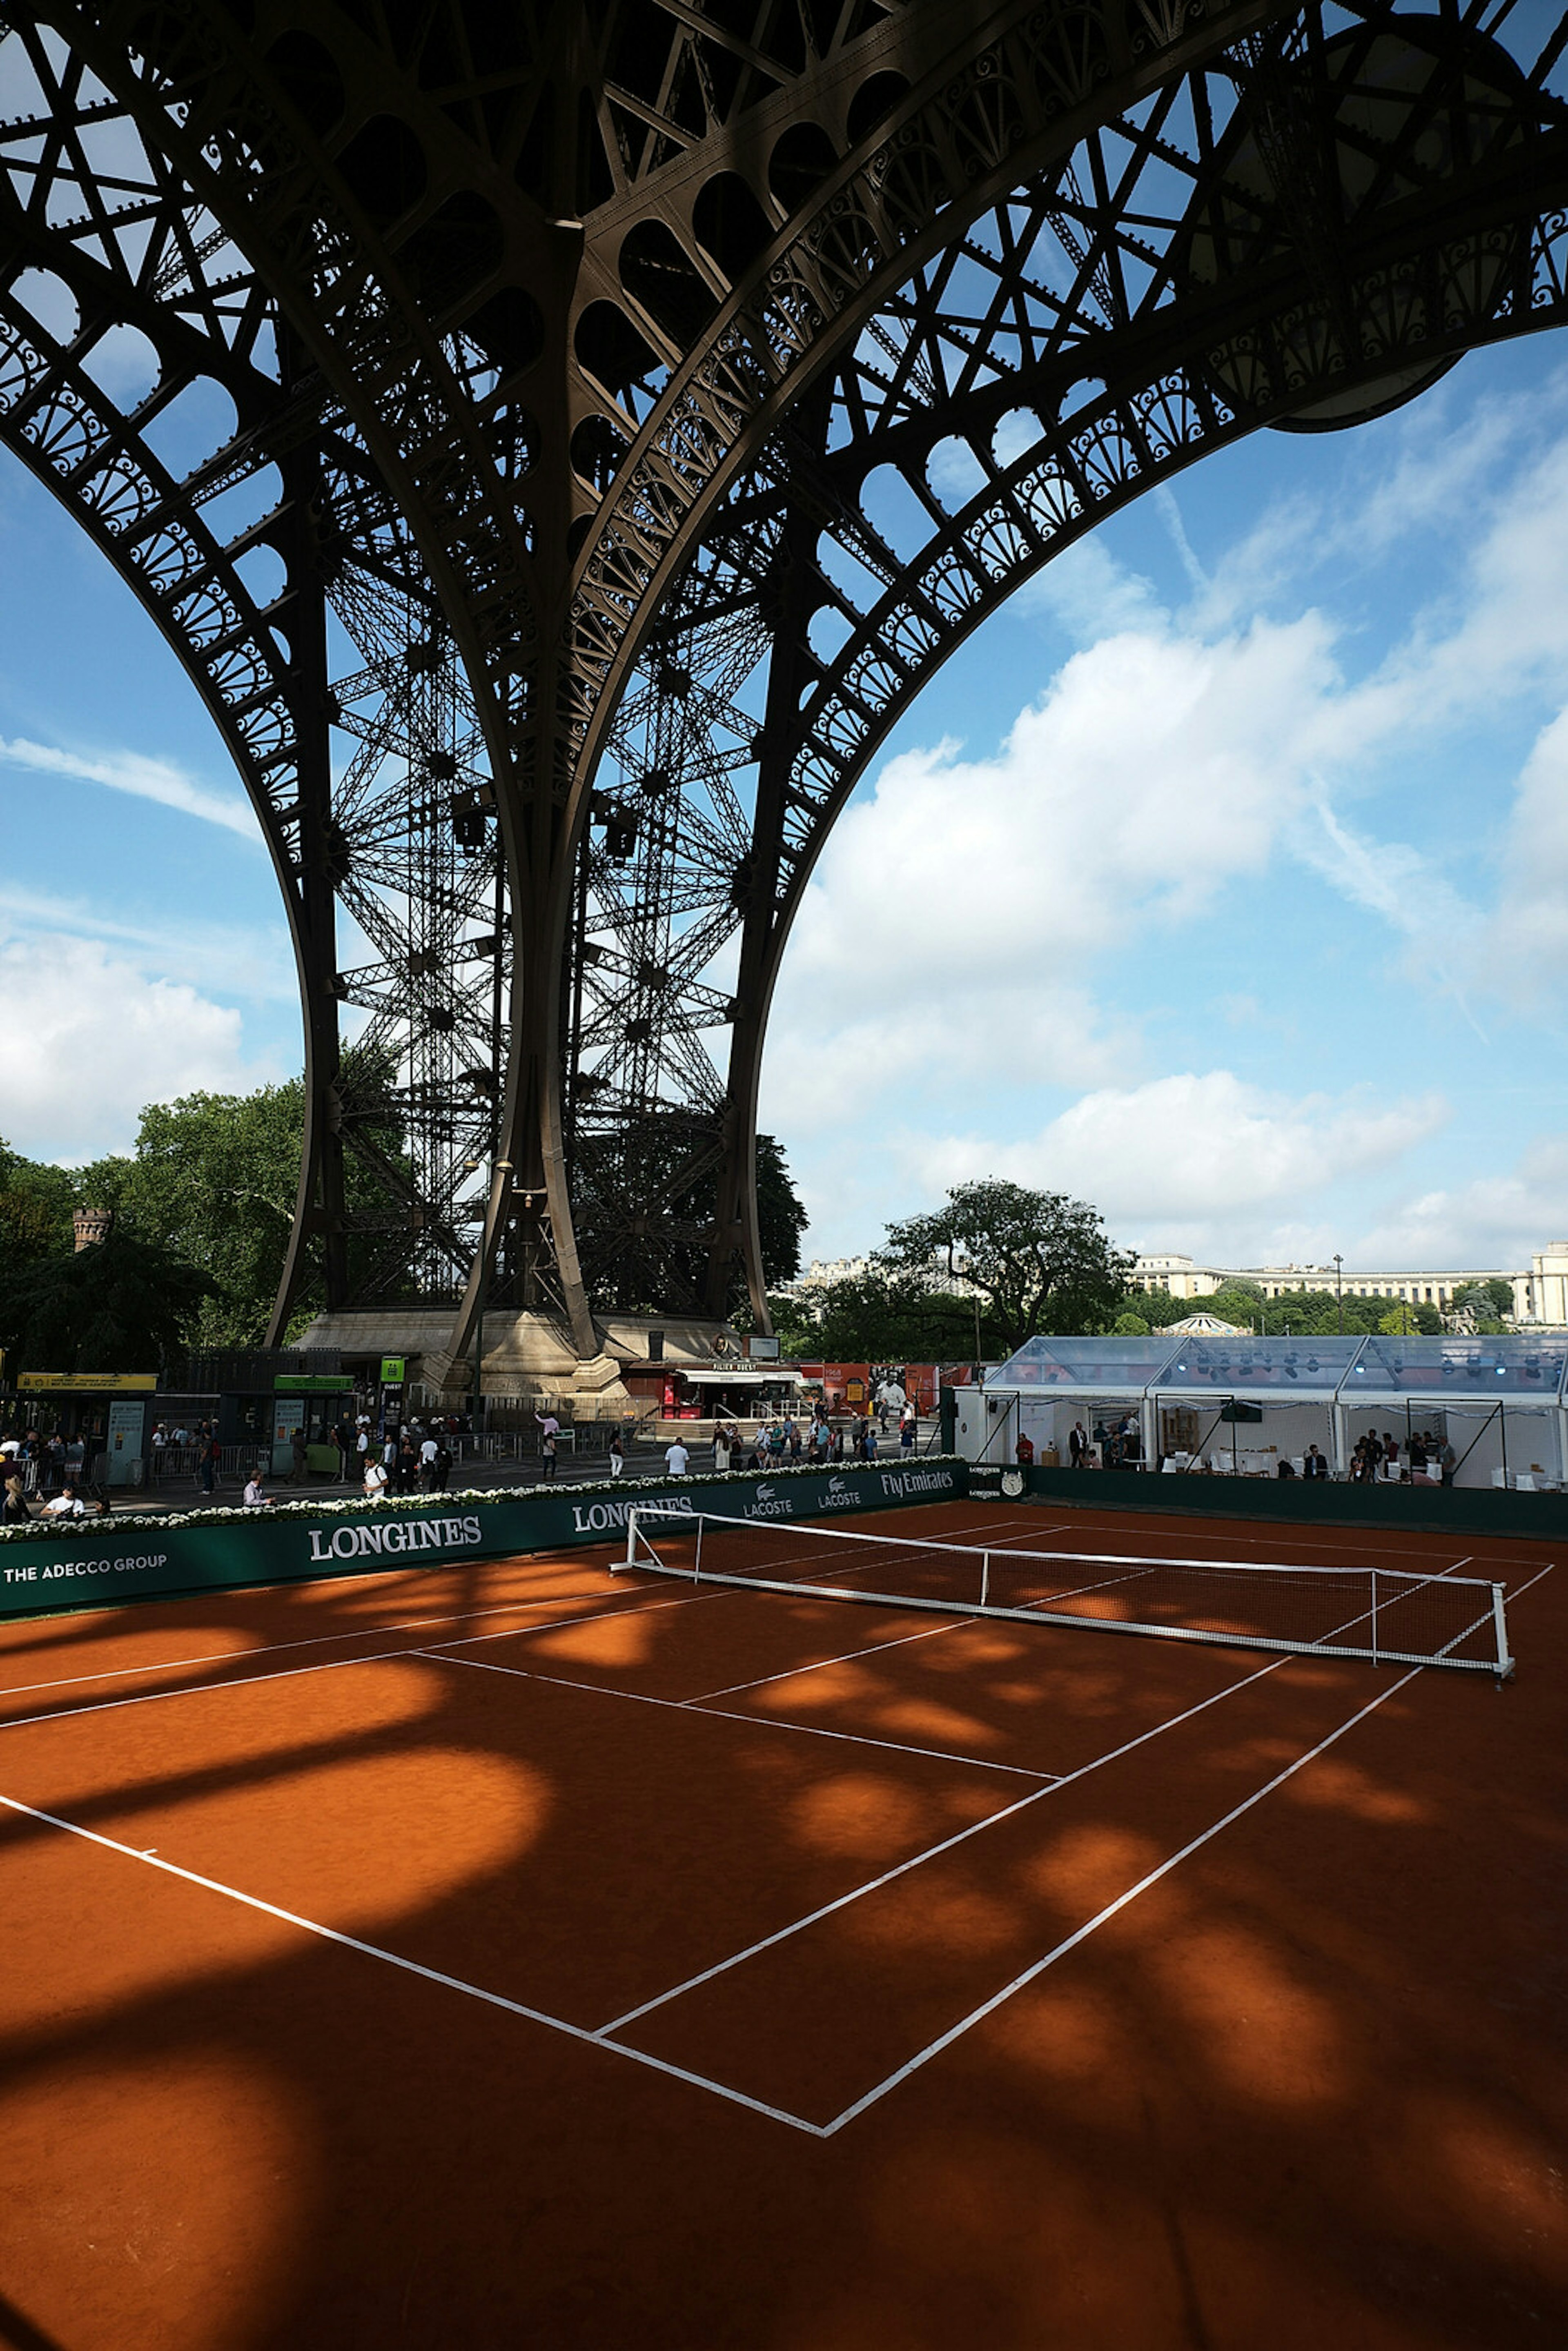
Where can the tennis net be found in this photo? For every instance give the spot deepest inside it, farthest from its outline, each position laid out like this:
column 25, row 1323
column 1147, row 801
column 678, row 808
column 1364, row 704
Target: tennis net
column 1389, row 1616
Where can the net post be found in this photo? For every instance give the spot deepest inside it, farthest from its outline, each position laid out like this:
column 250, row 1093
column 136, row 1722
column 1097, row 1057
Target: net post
column 985, row 1577
column 697, row 1554
column 631, row 1558
column 1375, row 1616
column 1499, row 1628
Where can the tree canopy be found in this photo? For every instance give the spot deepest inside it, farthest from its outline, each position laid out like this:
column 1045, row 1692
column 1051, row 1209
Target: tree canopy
column 212, row 1180
column 1039, row 1261
column 121, row 1305
column 36, row 1204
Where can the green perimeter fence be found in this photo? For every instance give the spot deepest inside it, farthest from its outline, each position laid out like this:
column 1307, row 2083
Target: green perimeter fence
column 102, row 1560
column 1441, row 1509
column 106, row 1560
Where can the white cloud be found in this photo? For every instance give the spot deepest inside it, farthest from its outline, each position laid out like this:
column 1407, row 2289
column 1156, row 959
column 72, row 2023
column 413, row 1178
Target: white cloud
column 1198, row 1149
column 1525, row 948
column 1490, row 1219
column 144, row 779
column 958, row 912
column 89, row 1039
column 231, row 957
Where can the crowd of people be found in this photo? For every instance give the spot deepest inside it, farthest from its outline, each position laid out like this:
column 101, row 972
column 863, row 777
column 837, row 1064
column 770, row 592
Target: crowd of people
column 785, row 1442
column 45, row 1475
column 1377, row 1457
column 48, row 1473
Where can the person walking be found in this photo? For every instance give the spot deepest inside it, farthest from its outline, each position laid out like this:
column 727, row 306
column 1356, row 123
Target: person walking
column 721, row 1447
column 299, row 1452
column 676, row 1459
column 617, row 1455
column 207, row 1457
column 547, row 1451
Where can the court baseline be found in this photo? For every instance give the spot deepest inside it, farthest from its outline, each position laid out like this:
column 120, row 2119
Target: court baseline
column 602, row 2040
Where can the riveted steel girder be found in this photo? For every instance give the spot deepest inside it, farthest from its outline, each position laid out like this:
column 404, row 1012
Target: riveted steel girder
column 630, row 406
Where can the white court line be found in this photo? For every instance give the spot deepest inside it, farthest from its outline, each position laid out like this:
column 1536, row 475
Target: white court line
column 1070, row 1942
column 678, row 2072
column 901, row 1640
column 724, row 1714
column 322, row 1640
column 961, row 1837
column 365, row 1633
column 291, row 1673
column 819, row 1665
column 273, row 1649
column 410, row 1967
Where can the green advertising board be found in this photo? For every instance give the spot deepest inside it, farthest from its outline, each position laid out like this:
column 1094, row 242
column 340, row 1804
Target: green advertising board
column 104, row 1562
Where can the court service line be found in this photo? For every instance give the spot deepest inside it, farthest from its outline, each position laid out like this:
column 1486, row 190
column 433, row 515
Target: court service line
column 275, row 1648
column 819, row 1665
column 359, row 1633
column 410, row 1967
column 367, row 1632
column 328, row 1666
column 944, row 2040
column 724, row 1714
column 932, row 1853
column 901, row 1640
column 1101, row 1917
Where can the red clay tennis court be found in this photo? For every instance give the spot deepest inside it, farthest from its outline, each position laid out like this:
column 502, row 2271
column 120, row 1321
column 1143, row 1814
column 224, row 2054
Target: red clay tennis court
column 525, row 1954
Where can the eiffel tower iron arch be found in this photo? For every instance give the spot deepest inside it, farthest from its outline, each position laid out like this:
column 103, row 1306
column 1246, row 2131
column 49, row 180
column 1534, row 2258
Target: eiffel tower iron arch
column 574, row 423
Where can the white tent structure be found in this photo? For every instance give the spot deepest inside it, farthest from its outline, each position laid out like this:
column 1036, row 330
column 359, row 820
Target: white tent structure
column 1239, row 1406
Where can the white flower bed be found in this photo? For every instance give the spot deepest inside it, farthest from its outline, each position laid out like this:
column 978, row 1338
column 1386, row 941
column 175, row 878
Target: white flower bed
column 122, row 1523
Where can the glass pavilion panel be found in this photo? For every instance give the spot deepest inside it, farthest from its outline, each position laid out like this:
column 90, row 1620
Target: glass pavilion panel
column 1259, row 1368
column 1519, row 1368
column 1111, row 1366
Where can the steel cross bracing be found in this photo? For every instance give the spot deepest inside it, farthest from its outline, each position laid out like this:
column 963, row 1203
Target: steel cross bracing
column 559, row 442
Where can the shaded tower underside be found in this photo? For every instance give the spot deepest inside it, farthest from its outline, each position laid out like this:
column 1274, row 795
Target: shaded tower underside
column 559, row 442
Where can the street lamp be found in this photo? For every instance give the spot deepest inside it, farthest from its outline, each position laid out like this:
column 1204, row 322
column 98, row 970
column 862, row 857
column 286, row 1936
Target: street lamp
column 1339, row 1289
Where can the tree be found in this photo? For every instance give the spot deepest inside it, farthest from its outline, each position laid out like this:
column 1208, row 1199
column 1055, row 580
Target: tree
column 1157, row 1307
column 1241, row 1302
column 36, row 1204
column 1130, row 1326
column 1039, row 1261
column 122, row 1305
column 1488, row 1301
column 213, row 1179
column 644, row 1236
column 885, row 1316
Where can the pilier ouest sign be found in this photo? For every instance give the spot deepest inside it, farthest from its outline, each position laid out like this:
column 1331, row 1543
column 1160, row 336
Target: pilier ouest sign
column 88, row 1568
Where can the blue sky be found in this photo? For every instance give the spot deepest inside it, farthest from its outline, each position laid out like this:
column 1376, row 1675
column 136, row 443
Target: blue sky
column 1222, row 878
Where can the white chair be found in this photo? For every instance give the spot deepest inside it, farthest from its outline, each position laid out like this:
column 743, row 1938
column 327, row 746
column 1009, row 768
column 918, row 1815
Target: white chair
column 1500, row 1477
column 1525, row 1482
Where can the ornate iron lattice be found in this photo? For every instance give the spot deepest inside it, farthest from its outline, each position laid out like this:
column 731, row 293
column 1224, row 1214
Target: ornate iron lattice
column 623, row 410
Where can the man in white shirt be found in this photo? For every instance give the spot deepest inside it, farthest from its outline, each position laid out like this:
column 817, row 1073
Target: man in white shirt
column 676, row 1459
column 256, row 1496
column 375, row 1479
column 66, row 1504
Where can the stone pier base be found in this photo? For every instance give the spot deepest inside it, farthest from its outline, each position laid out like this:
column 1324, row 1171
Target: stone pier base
column 529, row 1358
